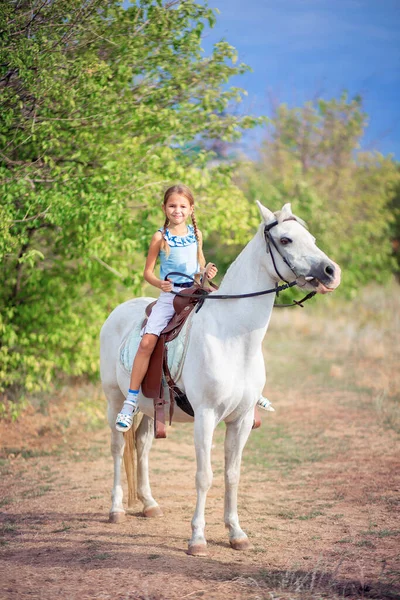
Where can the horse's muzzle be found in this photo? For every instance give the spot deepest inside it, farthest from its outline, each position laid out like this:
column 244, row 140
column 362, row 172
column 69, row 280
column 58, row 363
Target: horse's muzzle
column 326, row 278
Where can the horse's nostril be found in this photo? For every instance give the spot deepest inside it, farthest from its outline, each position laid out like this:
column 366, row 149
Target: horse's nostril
column 329, row 270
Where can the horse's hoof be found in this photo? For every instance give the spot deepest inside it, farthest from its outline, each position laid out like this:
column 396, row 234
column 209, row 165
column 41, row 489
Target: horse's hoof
column 116, row 517
column 197, row 550
column 240, row 544
column 153, row 512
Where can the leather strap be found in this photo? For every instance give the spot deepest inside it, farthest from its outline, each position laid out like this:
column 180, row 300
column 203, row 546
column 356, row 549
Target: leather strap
column 152, row 387
column 160, row 431
column 170, row 384
column 151, row 382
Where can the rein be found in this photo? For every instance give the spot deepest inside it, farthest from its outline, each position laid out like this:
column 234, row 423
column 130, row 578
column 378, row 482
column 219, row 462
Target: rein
column 269, row 240
column 277, row 289
column 205, row 295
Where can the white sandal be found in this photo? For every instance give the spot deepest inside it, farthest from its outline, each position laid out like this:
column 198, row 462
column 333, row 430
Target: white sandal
column 265, row 404
column 123, row 422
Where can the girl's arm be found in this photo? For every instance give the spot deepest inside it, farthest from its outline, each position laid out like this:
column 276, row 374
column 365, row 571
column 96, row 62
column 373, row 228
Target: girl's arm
column 152, row 255
column 202, row 259
column 210, row 269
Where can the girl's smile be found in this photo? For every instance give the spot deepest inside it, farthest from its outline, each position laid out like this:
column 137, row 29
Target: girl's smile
column 177, row 209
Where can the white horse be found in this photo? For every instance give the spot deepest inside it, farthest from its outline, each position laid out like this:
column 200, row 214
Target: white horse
column 223, row 374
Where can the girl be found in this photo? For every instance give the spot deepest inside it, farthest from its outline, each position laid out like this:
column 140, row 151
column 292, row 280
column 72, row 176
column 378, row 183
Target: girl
column 180, row 248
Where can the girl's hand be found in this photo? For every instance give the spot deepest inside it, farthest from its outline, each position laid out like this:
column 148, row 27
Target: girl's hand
column 166, row 285
column 211, row 270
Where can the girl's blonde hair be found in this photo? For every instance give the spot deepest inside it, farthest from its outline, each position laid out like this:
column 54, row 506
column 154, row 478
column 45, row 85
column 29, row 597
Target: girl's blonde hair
column 182, row 190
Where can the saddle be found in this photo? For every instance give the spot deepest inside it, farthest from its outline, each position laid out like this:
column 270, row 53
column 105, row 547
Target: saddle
column 152, row 385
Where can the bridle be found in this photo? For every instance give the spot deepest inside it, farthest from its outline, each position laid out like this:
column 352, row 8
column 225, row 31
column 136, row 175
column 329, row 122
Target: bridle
column 269, row 240
column 270, row 243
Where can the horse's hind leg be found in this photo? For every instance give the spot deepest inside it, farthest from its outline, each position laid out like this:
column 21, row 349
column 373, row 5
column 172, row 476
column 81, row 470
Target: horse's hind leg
column 115, row 400
column 235, row 440
column 144, row 440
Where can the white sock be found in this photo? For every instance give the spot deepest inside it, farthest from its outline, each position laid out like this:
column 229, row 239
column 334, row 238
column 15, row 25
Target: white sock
column 130, row 402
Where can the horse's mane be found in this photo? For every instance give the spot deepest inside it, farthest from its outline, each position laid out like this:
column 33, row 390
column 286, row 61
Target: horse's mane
column 295, row 218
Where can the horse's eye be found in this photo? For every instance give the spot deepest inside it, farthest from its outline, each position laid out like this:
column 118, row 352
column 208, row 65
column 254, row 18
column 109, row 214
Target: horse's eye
column 285, row 241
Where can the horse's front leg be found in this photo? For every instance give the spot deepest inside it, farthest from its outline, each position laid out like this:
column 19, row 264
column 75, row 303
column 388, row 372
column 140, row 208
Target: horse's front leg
column 236, row 437
column 144, row 440
column 204, row 426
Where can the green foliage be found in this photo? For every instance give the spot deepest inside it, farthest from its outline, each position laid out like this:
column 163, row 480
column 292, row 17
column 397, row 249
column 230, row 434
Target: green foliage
column 100, row 107
column 395, row 228
column 311, row 159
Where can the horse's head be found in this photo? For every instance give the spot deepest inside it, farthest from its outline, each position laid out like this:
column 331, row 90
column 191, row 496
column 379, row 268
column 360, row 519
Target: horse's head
column 294, row 255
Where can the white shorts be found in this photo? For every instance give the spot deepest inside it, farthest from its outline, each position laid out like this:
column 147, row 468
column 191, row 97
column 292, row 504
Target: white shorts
column 161, row 314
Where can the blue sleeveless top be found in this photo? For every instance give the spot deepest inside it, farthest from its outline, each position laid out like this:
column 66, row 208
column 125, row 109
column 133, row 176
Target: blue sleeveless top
column 182, row 256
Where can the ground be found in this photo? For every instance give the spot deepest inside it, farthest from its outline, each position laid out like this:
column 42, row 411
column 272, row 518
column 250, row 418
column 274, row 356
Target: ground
column 319, row 492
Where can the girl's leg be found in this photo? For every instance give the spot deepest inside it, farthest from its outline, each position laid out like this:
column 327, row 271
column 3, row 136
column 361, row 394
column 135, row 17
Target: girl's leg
column 142, row 359
column 160, row 316
column 140, row 365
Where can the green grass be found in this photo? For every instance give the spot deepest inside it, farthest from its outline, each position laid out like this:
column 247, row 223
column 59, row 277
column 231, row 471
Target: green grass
column 365, row 544
column 286, row 514
column 311, row 515
column 6, row 501
column 275, row 447
column 62, row 529
column 388, row 407
column 8, row 527
column 5, row 468
column 12, row 409
column 101, row 556
column 27, row 452
column 383, row 533
column 37, row 492
column 291, row 515
column 89, row 454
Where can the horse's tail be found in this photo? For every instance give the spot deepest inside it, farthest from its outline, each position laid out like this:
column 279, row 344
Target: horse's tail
column 130, row 461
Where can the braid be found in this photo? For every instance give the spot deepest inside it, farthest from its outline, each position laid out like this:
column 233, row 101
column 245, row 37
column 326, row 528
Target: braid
column 200, row 257
column 164, row 245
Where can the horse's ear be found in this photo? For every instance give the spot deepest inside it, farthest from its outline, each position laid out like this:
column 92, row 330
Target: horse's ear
column 286, row 212
column 266, row 214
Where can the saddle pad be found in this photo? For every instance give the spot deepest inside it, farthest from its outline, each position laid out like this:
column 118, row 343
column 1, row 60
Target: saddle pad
column 176, row 348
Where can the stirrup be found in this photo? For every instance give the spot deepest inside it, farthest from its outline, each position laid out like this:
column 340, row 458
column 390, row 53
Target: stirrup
column 265, row 404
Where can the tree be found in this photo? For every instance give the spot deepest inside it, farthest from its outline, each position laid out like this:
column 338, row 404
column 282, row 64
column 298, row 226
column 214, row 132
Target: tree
column 99, row 106
column 394, row 206
column 311, row 158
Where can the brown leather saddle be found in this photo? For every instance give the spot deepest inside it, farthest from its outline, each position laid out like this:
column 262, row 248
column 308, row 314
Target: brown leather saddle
column 152, row 385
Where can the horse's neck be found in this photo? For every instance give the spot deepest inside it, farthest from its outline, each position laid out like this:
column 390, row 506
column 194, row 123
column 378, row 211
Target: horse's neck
column 246, row 274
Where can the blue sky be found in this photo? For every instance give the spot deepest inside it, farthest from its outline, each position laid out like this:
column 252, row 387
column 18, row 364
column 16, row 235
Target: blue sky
column 300, row 48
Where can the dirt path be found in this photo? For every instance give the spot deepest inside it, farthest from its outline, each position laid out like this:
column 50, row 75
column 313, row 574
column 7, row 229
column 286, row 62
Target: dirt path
column 318, row 496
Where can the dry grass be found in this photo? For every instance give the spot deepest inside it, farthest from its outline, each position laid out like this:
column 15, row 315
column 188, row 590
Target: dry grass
column 349, row 346
column 318, row 495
